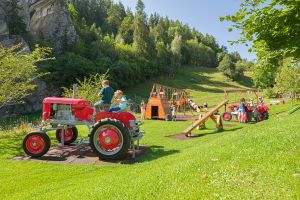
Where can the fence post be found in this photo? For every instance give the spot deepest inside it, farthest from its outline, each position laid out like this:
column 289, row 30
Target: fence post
column 74, row 91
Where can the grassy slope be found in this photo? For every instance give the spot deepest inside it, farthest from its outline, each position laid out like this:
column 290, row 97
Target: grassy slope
column 204, row 84
column 245, row 161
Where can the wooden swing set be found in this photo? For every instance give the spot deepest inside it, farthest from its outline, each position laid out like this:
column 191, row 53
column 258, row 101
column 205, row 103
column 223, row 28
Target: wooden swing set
column 162, row 98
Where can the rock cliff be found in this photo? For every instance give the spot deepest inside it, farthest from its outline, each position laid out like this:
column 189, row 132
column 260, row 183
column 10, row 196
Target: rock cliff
column 49, row 18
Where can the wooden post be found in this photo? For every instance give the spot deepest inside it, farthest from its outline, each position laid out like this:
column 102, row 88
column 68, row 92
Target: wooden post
column 74, row 91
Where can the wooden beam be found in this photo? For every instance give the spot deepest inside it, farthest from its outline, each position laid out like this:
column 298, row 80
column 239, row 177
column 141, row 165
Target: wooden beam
column 207, row 115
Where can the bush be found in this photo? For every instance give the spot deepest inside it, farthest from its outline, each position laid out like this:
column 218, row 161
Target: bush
column 269, row 93
column 88, row 88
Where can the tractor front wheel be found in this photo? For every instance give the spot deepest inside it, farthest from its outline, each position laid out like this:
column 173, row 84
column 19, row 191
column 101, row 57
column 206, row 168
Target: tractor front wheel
column 36, row 144
column 227, row 116
column 110, row 139
column 70, row 135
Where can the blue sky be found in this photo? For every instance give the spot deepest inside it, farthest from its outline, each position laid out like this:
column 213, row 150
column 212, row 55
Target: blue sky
column 201, row 14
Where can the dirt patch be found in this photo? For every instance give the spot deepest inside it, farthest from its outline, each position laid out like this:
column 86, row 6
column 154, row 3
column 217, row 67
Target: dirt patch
column 186, row 118
column 182, row 136
column 82, row 155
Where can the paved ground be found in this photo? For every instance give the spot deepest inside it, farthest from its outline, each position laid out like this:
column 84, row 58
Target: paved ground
column 81, row 154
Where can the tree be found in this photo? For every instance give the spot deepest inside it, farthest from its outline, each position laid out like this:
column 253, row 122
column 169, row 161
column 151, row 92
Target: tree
column 18, row 72
column 141, row 37
column 272, row 26
column 163, row 55
column 227, row 67
column 115, row 15
column 288, row 78
column 176, row 46
column 264, row 73
column 126, row 28
column 14, row 21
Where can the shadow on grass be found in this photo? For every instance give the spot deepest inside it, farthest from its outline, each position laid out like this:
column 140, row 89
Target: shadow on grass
column 156, row 152
column 215, row 132
column 11, row 146
column 245, row 81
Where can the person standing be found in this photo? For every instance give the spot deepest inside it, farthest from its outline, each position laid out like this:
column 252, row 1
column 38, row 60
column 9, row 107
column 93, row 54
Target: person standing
column 143, row 109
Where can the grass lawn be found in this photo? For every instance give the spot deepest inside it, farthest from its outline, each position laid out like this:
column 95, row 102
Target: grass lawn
column 245, row 161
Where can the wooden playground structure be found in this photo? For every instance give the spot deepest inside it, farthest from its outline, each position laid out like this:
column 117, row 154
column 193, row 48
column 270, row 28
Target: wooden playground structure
column 203, row 118
column 162, row 98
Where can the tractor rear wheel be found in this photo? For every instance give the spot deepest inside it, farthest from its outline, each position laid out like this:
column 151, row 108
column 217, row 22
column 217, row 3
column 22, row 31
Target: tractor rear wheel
column 110, row 139
column 70, row 135
column 227, row 116
column 266, row 115
column 36, row 144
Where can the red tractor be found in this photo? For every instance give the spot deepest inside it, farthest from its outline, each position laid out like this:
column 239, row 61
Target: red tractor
column 111, row 135
column 258, row 113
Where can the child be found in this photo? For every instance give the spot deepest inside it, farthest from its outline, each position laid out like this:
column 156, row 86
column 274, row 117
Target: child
column 106, row 94
column 242, row 111
column 205, row 106
column 251, row 103
column 173, row 112
column 260, row 101
column 143, row 109
column 121, row 100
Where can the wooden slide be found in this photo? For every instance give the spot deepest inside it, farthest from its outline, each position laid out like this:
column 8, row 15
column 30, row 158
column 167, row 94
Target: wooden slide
column 202, row 120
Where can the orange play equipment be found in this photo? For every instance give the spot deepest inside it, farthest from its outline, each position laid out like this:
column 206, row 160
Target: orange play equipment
column 162, row 98
column 203, row 118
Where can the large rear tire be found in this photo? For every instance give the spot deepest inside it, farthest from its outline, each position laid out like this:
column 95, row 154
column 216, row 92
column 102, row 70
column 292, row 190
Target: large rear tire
column 69, row 137
column 36, row 144
column 110, row 139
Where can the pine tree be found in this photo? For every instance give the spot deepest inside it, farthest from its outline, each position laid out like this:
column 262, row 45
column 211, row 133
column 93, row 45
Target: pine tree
column 176, row 46
column 141, row 37
column 15, row 22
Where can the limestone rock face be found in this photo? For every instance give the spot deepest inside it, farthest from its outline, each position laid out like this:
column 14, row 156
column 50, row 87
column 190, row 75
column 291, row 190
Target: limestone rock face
column 4, row 32
column 51, row 19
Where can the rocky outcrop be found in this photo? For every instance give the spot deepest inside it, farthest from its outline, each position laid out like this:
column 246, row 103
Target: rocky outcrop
column 4, row 32
column 51, row 19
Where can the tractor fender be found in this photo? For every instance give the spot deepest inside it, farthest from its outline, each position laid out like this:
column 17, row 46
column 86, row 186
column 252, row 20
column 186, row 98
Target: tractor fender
column 123, row 117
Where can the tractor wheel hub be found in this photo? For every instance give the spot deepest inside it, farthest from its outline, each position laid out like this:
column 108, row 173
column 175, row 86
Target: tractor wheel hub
column 109, row 139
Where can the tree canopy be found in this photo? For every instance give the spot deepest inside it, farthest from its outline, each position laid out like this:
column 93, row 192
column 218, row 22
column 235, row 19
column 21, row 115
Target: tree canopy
column 134, row 46
column 274, row 29
column 18, row 73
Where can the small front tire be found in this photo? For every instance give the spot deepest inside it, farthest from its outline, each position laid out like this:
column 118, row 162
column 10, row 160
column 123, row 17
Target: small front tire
column 36, row 144
column 227, row 116
column 69, row 137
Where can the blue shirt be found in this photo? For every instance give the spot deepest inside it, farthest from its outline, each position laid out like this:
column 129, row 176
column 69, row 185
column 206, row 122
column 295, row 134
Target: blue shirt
column 242, row 107
column 123, row 103
column 107, row 94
